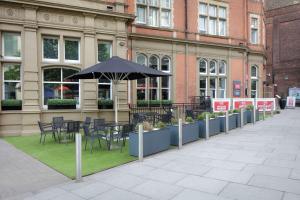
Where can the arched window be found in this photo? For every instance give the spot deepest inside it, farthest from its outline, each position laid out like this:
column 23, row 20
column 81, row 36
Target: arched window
column 153, row 82
column 55, row 86
column 165, row 81
column 222, row 68
column 254, row 81
column 213, row 67
column 141, row 83
column 203, row 66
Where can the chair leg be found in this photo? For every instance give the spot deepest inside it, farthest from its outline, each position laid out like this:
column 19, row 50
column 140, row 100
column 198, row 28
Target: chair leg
column 44, row 138
column 41, row 138
column 92, row 142
column 99, row 143
column 53, row 135
column 85, row 144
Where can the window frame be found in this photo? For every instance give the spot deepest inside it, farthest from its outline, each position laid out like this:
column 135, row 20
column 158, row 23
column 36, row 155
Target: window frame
column 50, row 60
column 255, row 79
column 13, row 58
column 169, row 79
column 11, row 81
column 72, row 61
column 216, row 67
column 255, row 28
column 225, row 68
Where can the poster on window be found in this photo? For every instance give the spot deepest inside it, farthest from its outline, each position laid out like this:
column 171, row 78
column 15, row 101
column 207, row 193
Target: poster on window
column 221, row 105
column 237, row 88
column 290, row 102
column 294, row 92
column 239, row 103
column 267, row 103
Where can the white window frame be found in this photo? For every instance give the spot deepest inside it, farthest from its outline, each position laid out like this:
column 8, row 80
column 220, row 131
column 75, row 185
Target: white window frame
column 216, row 67
column 58, row 49
column 256, row 79
column 11, row 81
column 166, row 71
column 206, row 66
column 157, row 79
column 216, row 86
column 206, row 85
column 61, row 83
column 3, row 47
column 71, row 61
column 254, row 16
column 225, row 68
column 111, row 54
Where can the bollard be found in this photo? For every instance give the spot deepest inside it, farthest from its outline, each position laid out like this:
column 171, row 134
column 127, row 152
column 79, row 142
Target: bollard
column 180, row 133
column 141, row 143
column 78, row 158
column 272, row 113
column 254, row 115
column 207, row 126
column 242, row 117
column 264, row 113
column 227, row 122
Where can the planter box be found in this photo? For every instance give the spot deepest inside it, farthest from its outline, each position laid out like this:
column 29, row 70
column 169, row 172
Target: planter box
column 154, row 142
column 11, row 107
column 105, row 106
column 238, row 119
column 202, row 129
column 232, row 121
column 257, row 115
column 54, row 107
column 214, row 127
column 250, row 116
column 190, row 133
column 222, row 123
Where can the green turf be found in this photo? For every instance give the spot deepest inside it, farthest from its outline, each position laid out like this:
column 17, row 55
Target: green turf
column 61, row 157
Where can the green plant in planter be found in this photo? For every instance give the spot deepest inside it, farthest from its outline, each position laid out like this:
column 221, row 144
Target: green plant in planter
column 220, row 114
column 212, row 115
column 189, row 120
column 204, row 114
column 160, row 125
column 250, row 107
column 236, row 111
column 11, row 103
column 200, row 117
column 174, row 121
column 230, row 112
column 62, row 102
column 105, row 103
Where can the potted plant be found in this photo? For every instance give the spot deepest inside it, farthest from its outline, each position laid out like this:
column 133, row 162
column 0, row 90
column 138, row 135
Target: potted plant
column 154, row 140
column 105, row 104
column 62, row 103
column 201, row 124
column 249, row 113
column 11, row 104
column 190, row 132
column 237, row 114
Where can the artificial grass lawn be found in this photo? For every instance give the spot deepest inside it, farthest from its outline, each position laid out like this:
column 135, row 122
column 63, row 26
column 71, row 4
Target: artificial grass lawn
column 61, row 157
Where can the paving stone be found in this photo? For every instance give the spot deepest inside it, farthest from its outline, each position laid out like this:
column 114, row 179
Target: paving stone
column 91, row 190
column 226, row 164
column 245, row 192
column 229, row 175
column 246, row 159
column 186, row 168
column 135, row 168
column 164, row 176
column 267, row 170
column 289, row 196
column 295, row 174
column 118, row 194
column 188, row 194
column 282, row 184
column 203, row 184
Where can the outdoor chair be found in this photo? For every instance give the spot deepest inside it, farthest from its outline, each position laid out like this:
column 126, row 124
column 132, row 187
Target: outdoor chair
column 166, row 118
column 99, row 125
column 73, row 127
column 127, row 128
column 115, row 134
column 92, row 135
column 87, row 122
column 46, row 129
column 58, row 125
column 190, row 113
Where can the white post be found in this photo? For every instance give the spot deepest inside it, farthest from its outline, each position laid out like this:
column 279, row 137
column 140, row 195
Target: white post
column 141, row 143
column 272, row 112
column 180, row 133
column 242, row 117
column 254, row 114
column 116, row 102
column 227, row 122
column 207, row 126
column 264, row 113
column 78, row 157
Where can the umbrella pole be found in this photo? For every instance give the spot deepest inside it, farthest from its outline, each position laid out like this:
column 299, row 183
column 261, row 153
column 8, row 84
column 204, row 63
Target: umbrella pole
column 116, row 102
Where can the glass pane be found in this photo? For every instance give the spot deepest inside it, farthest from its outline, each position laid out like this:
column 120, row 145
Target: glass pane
column 68, row 72
column 213, row 11
column 142, row 60
column 140, row 94
column 153, row 94
column 212, row 83
column 165, row 64
column 104, row 91
column 51, row 91
column 202, row 93
column 253, row 71
column 12, row 44
column 104, row 51
column 153, row 16
column 254, row 22
column 222, row 12
column 165, row 94
column 12, row 72
column 70, row 91
column 202, row 82
column 141, row 83
column 165, row 3
column 213, row 93
column 53, row 74
column 165, row 18
column 153, row 62
column 153, row 2
column 212, row 26
column 141, row 14
column 222, row 27
column 12, row 90
column 153, row 82
column 104, row 81
column 165, row 82
column 222, row 83
column 254, row 36
column 221, row 94
column 222, row 68
column 213, row 65
column 50, row 49
column 253, row 94
column 203, row 24
column 71, row 50
column 203, row 66
column 141, row 1
column 253, row 85
column 203, row 9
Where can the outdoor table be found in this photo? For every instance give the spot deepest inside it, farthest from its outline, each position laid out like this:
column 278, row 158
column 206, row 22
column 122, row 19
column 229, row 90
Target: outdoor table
column 65, row 139
column 114, row 128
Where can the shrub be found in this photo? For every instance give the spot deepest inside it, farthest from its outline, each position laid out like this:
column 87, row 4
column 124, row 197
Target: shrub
column 236, row 111
column 220, row 114
column 212, row 115
column 11, row 103
column 189, row 120
column 250, row 107
column 160, row 125
column 62, row 102
column 200, row 117
column 105, row 102
column 230, row 112
column 147, row 126
column 174, row 121
column 204, row 114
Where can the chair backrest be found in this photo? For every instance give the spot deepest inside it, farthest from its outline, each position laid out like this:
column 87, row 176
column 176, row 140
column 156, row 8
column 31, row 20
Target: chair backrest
column 127, row 128
column 86, row 130
column 99, row 124
column 88, row 120
column 73, row 127
column 58, row 122
column 166, row 118
column 41, row 127
column 189, row 113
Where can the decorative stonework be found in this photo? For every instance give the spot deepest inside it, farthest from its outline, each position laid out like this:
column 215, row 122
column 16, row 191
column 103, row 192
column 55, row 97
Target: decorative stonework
column 8, row 12
column 59, row 18
column 46, row 17
column 75, row 20
column 106, row 23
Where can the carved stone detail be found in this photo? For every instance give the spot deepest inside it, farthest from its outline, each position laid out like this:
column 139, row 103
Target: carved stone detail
column 8, row 12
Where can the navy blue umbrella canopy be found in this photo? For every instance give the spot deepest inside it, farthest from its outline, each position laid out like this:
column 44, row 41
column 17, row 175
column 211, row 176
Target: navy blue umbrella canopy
column 117, row 69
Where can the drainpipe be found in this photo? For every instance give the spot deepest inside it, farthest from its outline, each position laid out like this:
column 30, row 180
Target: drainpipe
column 186, row 52
column 245, row 71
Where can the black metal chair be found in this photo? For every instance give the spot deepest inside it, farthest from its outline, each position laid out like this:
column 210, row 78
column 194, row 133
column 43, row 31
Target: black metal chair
column 92, row 135
column 58, row 125
column 46, row 129
column 99, row 125
column 73, row 127
column 126, row 129
column 190, row 113
column 87, row 122
column 167, row 117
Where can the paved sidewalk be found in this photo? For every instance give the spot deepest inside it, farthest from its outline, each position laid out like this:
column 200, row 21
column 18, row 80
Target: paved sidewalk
column 22, row 175
column 260, row 162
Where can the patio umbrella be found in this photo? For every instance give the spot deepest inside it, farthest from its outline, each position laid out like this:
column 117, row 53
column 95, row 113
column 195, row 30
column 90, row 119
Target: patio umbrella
column 117, row 69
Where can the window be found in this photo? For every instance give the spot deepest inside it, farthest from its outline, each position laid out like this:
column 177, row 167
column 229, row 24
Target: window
column 254, row 30
column 154, row 88
column 254, row 81
column 50, row 49
column 12, row 81
column 214, row 83
column 72, row 50
column 155, row 13
column 212, row 19
column 104, row 86
column 11, row 45
column 55, row 86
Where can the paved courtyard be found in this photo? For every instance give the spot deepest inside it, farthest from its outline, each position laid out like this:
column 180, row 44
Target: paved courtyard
column 260, row 162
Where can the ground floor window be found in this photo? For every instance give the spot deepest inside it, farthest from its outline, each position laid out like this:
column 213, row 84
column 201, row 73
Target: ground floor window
column 12, row 88
column 55, row 86
column 154, row 88
column 104, row 89
column 254, row 81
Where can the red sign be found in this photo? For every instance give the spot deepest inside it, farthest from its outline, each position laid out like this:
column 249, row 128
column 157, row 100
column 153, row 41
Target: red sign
column 242, row 103
column 221, row 105
column 267, row 104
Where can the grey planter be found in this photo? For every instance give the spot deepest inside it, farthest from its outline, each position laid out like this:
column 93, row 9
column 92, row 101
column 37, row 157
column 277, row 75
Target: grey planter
column 222, row 123
column 257, row 115
column 232, row 121
column 245, row 117
column 190, row 133
column 202, row 129
column 250, row 116
column 238, row 119
column 214, row 127
column 154, row 142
